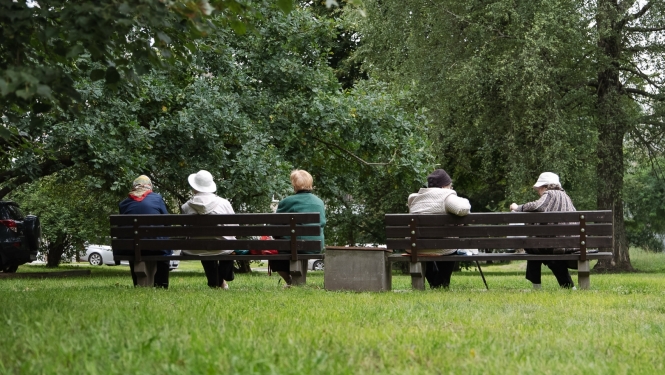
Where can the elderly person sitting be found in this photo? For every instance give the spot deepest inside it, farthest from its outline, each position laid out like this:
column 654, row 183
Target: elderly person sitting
column 552, row 198
column 143, row 201
column 206, row 202
column 302, row 201
column 438, row 198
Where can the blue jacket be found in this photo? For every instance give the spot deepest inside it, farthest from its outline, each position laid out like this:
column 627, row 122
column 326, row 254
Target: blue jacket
column 152, row 204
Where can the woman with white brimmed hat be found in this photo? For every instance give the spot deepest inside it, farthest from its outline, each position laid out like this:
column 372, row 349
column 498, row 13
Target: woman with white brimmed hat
column 552, row 198
column 206, row 202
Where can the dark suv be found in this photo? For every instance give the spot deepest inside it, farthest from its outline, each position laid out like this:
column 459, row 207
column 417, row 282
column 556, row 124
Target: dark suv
column 20, row 237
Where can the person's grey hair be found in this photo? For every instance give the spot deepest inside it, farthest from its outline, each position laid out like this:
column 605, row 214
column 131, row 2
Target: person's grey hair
column 554, row 187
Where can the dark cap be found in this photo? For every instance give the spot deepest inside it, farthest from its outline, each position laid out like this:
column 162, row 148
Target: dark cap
column 438, row 178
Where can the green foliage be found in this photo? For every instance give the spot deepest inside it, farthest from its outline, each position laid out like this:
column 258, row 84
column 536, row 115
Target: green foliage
column 501, row 84
column 517, row 88
column 249, row 109
column 43, row 40
column 644, row 195
column 72, row 213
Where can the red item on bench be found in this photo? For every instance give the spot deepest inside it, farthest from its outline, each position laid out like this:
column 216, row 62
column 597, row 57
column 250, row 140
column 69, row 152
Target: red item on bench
column 264, row 252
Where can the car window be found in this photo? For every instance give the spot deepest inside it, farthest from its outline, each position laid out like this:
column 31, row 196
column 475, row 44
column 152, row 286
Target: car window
column 4, row 212
column 15, row 212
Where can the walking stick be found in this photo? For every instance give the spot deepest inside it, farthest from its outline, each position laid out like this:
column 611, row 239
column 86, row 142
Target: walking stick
column 481, row 275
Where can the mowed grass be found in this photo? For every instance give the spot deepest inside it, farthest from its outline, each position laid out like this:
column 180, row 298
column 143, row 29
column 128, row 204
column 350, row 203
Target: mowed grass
column 101, row 325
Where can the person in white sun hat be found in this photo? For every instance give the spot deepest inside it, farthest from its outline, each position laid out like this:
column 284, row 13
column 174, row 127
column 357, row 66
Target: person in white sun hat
column 552, row 198
column 206, row 202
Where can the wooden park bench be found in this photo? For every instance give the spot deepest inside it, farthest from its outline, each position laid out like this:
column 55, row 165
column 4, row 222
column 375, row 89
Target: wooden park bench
column 581, row 230
column 133, row 233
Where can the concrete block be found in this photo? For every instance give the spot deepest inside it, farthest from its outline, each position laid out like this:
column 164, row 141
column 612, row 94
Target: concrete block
column 298, row 271
column 145, row 273
column 357, row 269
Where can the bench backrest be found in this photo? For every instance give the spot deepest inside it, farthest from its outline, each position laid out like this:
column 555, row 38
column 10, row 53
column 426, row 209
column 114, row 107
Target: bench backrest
column 166, row 232
column 573, row 230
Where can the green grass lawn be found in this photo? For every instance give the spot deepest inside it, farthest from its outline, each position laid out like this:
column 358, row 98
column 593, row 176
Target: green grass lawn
column 99, row 324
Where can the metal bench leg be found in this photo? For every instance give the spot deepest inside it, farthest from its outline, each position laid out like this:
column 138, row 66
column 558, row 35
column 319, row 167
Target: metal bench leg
column 298, row 270
column 417, row 272
column 583, row 275
column 145, row 273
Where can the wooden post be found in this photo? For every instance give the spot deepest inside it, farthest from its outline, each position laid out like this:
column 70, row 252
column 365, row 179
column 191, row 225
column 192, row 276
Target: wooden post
column 145, row 271
column 294, row 240
column 414, row 249
column 583, row 271
column 583, row 275
column 417, row 272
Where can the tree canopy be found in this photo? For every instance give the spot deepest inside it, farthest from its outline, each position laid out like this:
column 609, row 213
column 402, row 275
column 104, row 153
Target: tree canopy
column 517, row 88
column 248, row 108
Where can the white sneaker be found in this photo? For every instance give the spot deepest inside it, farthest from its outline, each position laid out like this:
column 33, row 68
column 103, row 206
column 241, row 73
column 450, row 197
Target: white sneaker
column 574, row 288
column 536, row 286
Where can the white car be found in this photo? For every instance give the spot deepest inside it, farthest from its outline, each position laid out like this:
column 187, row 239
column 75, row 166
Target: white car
column 97, row 255
column 315, row 264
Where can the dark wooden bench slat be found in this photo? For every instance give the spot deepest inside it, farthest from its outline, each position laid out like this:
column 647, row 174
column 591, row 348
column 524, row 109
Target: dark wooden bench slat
column 199, row 231
column 499, row 243
column 285, row 219
column 214, row 244
column 500, row 230
column 498, row 217
column 148, row 258
column 498, row 257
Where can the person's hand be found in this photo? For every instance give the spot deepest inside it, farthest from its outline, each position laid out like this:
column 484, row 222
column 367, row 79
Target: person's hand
column 514, row 207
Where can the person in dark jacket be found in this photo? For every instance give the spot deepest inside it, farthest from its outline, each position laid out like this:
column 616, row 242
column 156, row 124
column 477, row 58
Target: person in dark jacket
column 552, row 198
column 143, row 201
column 302, row 201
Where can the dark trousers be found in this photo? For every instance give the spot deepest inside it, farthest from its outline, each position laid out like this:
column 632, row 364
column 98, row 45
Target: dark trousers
column 217, row 271
column 161, row 275
column 438, row 273
column 559, row 269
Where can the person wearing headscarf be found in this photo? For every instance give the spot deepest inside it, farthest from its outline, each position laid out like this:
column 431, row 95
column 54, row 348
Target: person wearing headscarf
column 438, row 198
column 552, row 199
column 206, row 202
column 143, row 201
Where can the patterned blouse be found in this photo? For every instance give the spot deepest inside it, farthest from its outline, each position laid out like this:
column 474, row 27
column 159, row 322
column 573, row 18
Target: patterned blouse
column 551, row 200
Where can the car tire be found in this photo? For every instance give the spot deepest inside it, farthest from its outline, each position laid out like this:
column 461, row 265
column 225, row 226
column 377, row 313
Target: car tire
column 95, row 259
column 32, row 229
column 318, row 265
column 10, row 269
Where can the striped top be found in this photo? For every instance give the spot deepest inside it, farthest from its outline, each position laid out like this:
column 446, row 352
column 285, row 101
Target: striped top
column 550, row 201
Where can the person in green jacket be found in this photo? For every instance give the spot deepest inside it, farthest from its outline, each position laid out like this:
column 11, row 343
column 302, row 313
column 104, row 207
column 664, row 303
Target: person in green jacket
column 302, row 201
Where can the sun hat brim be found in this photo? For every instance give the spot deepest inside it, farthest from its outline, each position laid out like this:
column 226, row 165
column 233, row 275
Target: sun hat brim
column 201, row 188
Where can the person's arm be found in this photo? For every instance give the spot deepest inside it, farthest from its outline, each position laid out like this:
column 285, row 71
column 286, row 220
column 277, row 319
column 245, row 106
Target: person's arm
column 535, row 206
column 457, row 206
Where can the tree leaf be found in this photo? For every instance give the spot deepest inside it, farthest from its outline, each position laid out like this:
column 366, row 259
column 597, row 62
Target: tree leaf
column 285, row 5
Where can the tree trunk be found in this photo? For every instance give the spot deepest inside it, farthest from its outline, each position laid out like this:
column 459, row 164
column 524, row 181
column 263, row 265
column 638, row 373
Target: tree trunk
column 612, row 126
column 55, row 251
column 242, row 266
